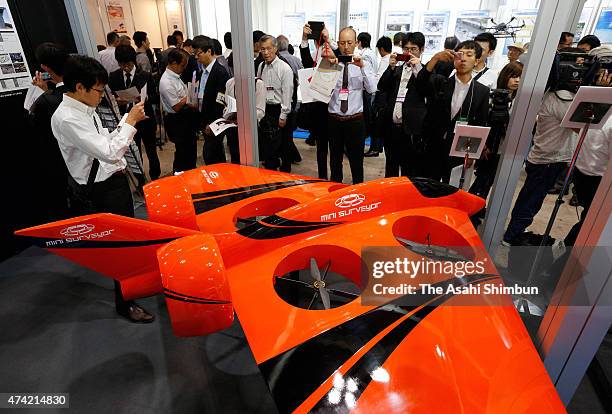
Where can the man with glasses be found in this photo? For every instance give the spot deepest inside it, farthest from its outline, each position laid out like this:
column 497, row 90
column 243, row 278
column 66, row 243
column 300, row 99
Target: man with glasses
column 346, row 122
column 94, row 156
column 406, row 110
column 276, row 136
column 211, row 85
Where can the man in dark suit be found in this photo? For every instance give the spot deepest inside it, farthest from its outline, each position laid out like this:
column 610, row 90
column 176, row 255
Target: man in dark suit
column 53, row 174
column 163, row 57
column 127, row 76
column 211, row 86
column 450, row 101
column 405, row 111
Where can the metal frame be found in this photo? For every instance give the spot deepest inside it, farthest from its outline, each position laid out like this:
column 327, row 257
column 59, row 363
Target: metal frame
column 244, row 75
column 579, row 316
column 79, row 18
column 542, row 49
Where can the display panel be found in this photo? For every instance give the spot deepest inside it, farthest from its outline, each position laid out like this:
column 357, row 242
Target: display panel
column 14, row 70
column 400, row 21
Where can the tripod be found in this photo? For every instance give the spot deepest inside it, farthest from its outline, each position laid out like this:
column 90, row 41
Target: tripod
column 523, row 304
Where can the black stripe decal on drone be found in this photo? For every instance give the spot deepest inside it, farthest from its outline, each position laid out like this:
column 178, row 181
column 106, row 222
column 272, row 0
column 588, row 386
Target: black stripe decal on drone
column 48, row 243
column 295, row 374
column 275, row 227
column 249, row 188
column 211, row 203
column 169, row 292
column 197, row 301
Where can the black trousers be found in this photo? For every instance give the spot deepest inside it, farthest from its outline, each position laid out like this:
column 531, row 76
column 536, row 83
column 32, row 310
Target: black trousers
column 275, row 142
column 586, row 187
column 346, row 137
column 319, row 131
column 145, row 134
column 213, row 151
column 233, row 145
column 115, row 196
column 403, row 154
column 181, row 129
column 439, row 162
column 485, row 176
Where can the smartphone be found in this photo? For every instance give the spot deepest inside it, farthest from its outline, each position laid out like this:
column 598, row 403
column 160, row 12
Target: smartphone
column 403, row 57
column 45, row 76
column 345, row 58
column 459, row 55
column 317, row 28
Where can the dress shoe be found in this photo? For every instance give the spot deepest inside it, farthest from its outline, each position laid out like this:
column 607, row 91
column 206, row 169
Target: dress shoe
column 136, row 314
column 311, row 141
column 371, row 154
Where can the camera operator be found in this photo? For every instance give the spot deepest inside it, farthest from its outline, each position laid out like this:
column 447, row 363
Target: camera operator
column 405, row 110
column 552, row 148
column 596, row 151
column 501, row 106
column 451, row 101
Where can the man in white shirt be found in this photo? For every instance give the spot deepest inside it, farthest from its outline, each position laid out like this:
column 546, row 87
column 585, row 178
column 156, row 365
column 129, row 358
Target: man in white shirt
column 278, row 80
column 364, row 50
column 180, row 119
column 346, row 121
column 383, row 45
column 94, row 156
column 107, row 56
column 482, row 72
column 550, row 152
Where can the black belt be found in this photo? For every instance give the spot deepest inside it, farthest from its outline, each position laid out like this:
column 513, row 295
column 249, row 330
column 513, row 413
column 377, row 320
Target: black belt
column 345, row 118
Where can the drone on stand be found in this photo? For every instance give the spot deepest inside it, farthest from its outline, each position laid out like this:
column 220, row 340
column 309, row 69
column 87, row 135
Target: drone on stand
column 505, row 30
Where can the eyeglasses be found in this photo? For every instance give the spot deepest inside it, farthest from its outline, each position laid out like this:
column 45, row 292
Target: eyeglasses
column 413, row 49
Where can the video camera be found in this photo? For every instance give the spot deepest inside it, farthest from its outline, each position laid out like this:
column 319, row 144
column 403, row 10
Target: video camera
column 499, row 116
column 571, row 69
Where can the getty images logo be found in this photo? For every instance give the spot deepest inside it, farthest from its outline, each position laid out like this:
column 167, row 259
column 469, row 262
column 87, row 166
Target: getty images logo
column 350, row 200
column 77, row 230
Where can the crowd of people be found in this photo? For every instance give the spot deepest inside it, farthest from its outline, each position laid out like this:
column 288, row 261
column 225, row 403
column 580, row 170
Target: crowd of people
column 408, row 107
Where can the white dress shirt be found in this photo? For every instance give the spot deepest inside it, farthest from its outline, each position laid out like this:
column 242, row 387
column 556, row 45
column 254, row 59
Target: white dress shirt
column 488, row 79
column 368, row 55
column 80, row 141
column 278, row 80
column 382, row 66
column 107, row 59
column 171, row 90
column 132, row 73
column 408, row 71
column 227, row 52
column 360, row 79
column 260, row 97
column 551, row 142
column 142, row 62
column 459, row 95
column 596, row 152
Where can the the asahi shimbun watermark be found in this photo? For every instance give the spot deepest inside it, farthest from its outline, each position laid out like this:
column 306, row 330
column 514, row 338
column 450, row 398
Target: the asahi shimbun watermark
column 413, row 274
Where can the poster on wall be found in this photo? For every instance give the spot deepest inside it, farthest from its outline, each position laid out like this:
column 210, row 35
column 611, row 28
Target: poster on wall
column 292, row 26
column 471, row 23
column 526, row 17
column 359, row 21
column 434, row 26
column 174, row 15
column 330, row 22
column 14, row 70
column 603, row 27
column 397, row 22
column 116, row 18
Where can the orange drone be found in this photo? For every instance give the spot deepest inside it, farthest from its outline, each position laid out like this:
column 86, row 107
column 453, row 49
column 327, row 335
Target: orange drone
column 283, row 253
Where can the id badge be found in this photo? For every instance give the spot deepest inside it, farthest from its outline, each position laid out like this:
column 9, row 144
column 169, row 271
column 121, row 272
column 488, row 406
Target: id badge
column 401, row 95
column 220, row 98
column 270, row 92
column 344, row 93
column 461, row 121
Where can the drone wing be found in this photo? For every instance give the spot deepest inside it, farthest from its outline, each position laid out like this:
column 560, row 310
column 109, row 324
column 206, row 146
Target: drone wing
column 216, row 198
column 434, row 356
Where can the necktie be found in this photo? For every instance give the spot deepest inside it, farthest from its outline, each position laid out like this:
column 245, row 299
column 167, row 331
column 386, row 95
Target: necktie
column 344, row 103
column 128, row 80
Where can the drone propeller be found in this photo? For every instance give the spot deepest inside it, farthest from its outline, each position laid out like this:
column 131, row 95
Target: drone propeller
column 432, row 251
column 319, row 283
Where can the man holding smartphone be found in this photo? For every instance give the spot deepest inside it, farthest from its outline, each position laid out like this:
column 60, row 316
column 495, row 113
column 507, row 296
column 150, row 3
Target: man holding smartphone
column 346, row 125
column 406, row 109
